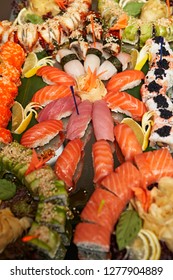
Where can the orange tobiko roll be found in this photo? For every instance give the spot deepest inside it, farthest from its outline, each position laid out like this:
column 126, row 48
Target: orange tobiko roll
column 12, row 53
column 5, row 135
column 8, row 87
column 5, row 115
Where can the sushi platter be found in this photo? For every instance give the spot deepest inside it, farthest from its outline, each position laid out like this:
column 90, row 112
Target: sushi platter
column 86, row 130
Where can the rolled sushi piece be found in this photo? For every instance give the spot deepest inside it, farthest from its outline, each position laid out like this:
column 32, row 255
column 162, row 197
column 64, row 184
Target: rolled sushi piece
column 93, row 237
column 15, row 158
column 46, row 241
column 43, row 185
column 51, row 215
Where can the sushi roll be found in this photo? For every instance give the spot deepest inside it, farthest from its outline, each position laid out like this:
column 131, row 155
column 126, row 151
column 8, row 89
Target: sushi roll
column 46, row 241
column 52, row 215
column 44, row 186
column 103, row 208
column 92, row 236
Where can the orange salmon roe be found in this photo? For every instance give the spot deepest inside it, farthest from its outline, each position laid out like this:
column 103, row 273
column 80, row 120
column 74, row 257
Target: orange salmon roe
column 5, row 115
column 10, row 72
column 7, row 86
column 13, row 53
column 5, row 135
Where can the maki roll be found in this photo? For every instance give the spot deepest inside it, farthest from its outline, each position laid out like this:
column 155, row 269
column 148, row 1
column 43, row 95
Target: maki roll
column 52, row 215
column 47, row 241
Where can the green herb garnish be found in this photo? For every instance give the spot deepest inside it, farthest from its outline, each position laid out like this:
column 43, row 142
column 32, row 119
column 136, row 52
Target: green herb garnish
column 133, row 8
column 127, row 228
column 7, row 189
column 35, row 19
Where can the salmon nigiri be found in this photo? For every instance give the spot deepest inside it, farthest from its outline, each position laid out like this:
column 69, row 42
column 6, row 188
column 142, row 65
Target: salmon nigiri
column 103, row 161
column 52, row 75
column 125, row 80
column 127, row 141
column 154, row 165
column 124, row 102
column 49, row 93
column 41, row 133
column 67, row 162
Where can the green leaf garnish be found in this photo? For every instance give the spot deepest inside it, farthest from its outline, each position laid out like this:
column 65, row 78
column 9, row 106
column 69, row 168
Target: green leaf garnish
column 133, row 8
column 35, row 19
column 7, row 189
column 127, row 228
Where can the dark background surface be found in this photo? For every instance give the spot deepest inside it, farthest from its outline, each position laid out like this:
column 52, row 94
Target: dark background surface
column 5, row 9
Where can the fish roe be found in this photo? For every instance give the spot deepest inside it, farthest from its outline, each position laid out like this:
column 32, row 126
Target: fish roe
column 13, row 54
column 5, row 135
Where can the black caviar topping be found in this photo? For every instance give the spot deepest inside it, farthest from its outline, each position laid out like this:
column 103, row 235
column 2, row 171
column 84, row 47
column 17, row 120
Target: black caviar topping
column 164, row 131
column 163, row 63
column 159, row 73
column 165, row 114
column 164, row 52
column 161, row 101
column 158, row 40
column 153, row 86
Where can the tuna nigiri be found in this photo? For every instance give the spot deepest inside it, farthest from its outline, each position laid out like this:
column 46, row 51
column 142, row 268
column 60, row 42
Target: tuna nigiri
column 124, row 102
column 154, row 165
column 49, row 93
column 41, row 133
column 102, row 121
column 127, row 141
column 103, row 161
column 88, row 235
column 67, row 162
column 125, row 80
column 52, row 75
column 78, row 123
column 58, row 109
column 102, row 208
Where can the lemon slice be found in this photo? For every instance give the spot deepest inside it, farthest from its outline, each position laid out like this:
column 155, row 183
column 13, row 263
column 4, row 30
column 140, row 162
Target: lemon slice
column 147, row 124
column 21, row 117
column 134, row 56
column 21, row 18
column 143, row 56
column 137, row 129
column 139, row 249
column 146, row 246
column 17, row 115
column 155, row 248
column 32, row 64
column 24, row 124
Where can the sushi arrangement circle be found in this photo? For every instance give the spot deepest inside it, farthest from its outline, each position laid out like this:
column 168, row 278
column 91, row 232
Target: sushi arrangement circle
column 92, row 147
